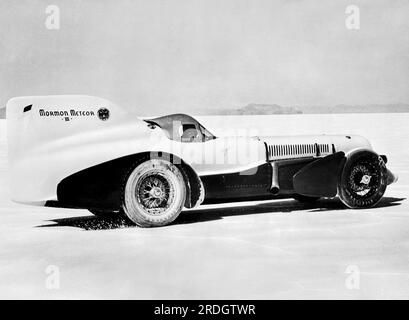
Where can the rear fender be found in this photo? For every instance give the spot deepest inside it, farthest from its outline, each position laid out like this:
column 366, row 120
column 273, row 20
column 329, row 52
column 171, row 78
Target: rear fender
column 101, row 186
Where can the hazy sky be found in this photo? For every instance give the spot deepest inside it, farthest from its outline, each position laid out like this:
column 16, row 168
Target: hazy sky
column 183, row 55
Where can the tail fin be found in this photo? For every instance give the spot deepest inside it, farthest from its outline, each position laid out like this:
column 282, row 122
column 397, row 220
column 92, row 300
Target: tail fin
column 33, row 121
column 38, row 124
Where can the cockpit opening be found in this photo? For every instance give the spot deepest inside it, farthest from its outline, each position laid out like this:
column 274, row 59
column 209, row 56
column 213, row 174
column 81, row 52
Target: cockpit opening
column 181, row 127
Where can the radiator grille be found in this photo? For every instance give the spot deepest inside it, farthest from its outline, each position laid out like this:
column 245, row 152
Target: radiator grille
column 288, row 151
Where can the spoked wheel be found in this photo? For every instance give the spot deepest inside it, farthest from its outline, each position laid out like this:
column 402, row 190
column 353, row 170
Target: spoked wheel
column 363, row 180
column 154, row 193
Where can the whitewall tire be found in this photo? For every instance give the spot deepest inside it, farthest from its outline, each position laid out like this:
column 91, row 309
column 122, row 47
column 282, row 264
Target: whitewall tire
column 154, row 193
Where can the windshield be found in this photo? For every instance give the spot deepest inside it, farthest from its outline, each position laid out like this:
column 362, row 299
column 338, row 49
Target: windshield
column 181, row 127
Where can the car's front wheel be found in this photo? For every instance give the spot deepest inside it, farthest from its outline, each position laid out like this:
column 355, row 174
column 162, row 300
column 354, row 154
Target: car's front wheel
column 154, row 193
column 363, row 180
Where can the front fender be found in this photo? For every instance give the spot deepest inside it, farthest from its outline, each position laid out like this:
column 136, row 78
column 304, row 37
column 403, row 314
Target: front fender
column 320, row 178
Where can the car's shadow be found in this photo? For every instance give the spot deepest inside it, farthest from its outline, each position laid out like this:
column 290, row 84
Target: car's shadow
column 92, row 222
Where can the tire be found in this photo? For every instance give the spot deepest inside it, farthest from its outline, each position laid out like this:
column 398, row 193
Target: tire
column 363, row 180
column 154, row 193
column 305, row 199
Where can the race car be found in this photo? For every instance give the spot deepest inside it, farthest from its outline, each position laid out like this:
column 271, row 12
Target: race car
column 86, row 152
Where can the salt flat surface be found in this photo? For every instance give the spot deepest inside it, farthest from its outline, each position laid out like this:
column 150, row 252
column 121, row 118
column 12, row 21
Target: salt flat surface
column 259, row 250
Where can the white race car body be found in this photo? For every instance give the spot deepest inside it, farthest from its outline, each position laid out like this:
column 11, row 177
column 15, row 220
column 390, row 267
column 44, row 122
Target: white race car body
column 54, row 137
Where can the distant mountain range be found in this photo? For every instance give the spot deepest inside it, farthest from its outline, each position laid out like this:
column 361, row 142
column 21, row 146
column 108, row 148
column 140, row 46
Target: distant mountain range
column 370, row 108
column 255, row 109
column 264, row 109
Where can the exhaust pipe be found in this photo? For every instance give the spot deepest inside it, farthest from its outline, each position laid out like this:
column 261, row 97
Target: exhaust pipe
column 275, row 188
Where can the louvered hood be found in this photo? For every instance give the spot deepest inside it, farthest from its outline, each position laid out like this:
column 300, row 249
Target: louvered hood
column 289, row 147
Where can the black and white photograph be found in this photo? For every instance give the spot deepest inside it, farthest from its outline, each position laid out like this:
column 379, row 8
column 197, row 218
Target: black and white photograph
column 204, row 150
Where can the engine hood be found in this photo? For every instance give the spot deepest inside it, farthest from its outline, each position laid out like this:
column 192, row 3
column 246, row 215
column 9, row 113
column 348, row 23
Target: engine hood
column 287, row 147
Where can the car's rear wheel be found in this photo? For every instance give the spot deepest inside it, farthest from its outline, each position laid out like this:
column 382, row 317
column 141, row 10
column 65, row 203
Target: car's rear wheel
column 363, row 180
column 154, row 193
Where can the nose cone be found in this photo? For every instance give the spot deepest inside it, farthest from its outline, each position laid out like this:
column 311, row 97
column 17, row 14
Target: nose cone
column 392, row 178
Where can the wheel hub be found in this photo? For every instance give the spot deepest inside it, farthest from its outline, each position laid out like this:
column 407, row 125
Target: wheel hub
column 366, row 179
column 361, row 180
column 154, row 193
